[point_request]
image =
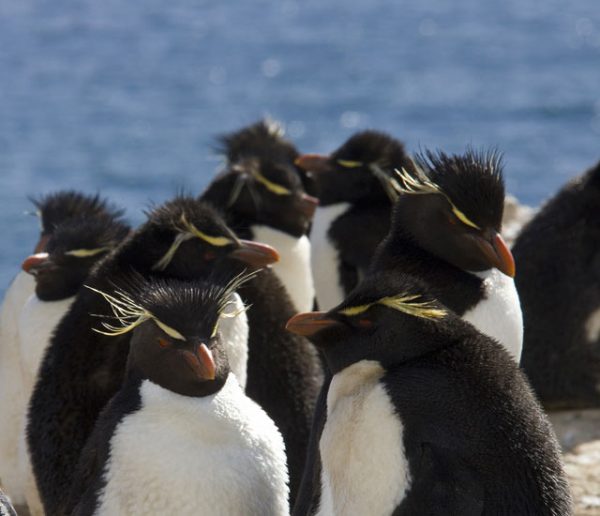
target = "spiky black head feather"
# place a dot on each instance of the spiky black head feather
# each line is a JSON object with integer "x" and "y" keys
{"x": 473, "y": 182}
{"x": 263, "y": 140}
{"x": 57, "y": 207}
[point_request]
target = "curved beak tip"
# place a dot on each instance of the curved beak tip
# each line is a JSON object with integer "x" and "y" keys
{"x": 256, "y": 254}
{"x": 33, "y": 262}
{"x": 506, "y": 261}
{"x": 308, "y": 323}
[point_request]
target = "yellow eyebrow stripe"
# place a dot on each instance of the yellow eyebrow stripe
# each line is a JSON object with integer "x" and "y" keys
{"x": 355, "y": 310}
{"x": 85, "y": 253}
{"x": 168, "y": 330}
{"x": 272, "y": 187}
{"x": 349, "y": 163}
{"x": 462, "y": 217}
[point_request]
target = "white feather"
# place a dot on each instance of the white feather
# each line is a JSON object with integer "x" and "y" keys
{"x": 293, "y": 269}
{"x": 364, "y": 466}
{"x": 218, "y": 455}
{"x": 499, "y": 313}
{"x": 12, "y": 399}
{"x": 592, "y": 326}
{"x": 324, "y": 257}
{"x": 234, "y": 333}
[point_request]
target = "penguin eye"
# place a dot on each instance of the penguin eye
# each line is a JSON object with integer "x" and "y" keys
{"x": 365, "y": 323}
{"x": 164, "y": 343}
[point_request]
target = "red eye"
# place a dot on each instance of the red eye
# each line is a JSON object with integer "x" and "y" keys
{"x": 365, "y": 323}
{"x": 209, "y": 255}
{"x": 452, "y": 220}
{"x": 164, "y": 343}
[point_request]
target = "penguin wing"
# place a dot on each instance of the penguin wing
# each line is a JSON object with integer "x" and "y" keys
{"x": 442, "y": 484}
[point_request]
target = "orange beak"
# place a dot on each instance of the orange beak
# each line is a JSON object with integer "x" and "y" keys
{"x": 313, "y": 163}
{"x": 309, "y": 323}
{"x": 498, "y": 254}
{"x": 32, "y": 263}
{"x": 201, "y": 362}
{"x": 256, "y": 254}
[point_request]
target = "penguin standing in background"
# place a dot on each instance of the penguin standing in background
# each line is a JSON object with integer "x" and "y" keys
{"x": 82, "y": 370}
{"x": 180, "y": 436}
{"x": 73, "y": 249}
{"x": 354, "y": 187}
{"x": 262, "y": 198}
{"x": 445, "y": 231}
{"x": 558, "y": 254}
{"x": 53, "y": 210}
{"x": 425, "y": 415}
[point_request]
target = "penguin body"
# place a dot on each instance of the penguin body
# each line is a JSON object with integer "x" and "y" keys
{"x": 228, "y": 457}
{"x": 262, "y": 197}
{"x": 355, "y": 202}
{"x": 6, "y": 508}
{"x": 15, "y": 385}
{"x": 456, "y": 428}
{"x": 82, "y": 370}
{"x": 177, "y": 439}
{"x": 558, "y": 256}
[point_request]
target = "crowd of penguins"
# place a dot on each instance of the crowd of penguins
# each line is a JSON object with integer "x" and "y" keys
{"x": 331, "y": 335}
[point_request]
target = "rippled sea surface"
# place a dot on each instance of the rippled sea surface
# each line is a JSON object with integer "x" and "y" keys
{"x": 126, "y": 97}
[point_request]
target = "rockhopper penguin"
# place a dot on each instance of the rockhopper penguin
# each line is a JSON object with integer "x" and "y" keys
{"x": 72, "y": 250}
{"x": 558, "y": 255}
{"x": 262, "y": 198}
{"x": 426, "y": 415}
{"x": 53, "y": 210}
{"x": 180, "y": 436}
{"x": 82, "y": 369}
{"x": 356, "y": 196}
{"x": 445, "y": 231}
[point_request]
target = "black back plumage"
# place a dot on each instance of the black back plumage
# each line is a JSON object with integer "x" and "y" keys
{"x": 476, "y": 440}
{"x": 82, "y": 369}
{"x": 558, "y": 256}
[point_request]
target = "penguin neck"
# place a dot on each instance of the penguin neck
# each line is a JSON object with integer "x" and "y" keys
{"x": 293, "y": 269}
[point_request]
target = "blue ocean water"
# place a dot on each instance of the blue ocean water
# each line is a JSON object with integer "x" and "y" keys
{"x": 126, "y": 97}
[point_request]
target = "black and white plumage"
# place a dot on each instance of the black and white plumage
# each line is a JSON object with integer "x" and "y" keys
{"x": 356, "y": 195}
{"x": 82, "y": 370}
{"x": 53, "y": 210}
{"x": 180, "y": 436}
{"x": 263, "y": 199}
{"x": 6, "y": 508}
{"x": 425, "y": 415}
{"x": 558, "y": 255}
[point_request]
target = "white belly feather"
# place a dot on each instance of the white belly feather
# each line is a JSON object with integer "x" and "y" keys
{"x": 218, "y": 455}
{"x": 364, "y": 466}
{"x": 294, "y": 268}
{"x": 324, "y": 257}
{"x": 234, "y": 332}
{"x": 499, "y": 314}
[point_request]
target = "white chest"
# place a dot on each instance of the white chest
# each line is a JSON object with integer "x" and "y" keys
{"x": 499, "y": 314}
{"x": 234, "y": 331}
{"x": 37, "y": 322}
{"x": 293, "y": 269}
{"x": 324, "y": 257}
{"x": 217, "y": 455}
{"x": 364, "y": 467}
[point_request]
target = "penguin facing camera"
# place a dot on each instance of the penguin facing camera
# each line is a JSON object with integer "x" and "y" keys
{"x": 424, "y": 414}
{"x": 206, "y": 447}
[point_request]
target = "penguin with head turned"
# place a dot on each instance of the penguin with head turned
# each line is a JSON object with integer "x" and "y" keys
{"x": 445, "y": 231}
{"x": 558, "y": 255}
{"x": 82, "y": 370}
{"x": 73, "y": 249}
{"x": 53, "y": 210}
{"x": 356, "y": 196}
{"x": 262, "y": 198}
{"x": 426, "y": 415}
{"x": 180, "y": 436}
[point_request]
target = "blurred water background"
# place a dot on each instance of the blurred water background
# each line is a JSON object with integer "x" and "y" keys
{"x": 126, "y": 97}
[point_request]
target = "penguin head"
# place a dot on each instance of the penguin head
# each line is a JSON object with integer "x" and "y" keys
{"x": 388, "y": 318}
{"x": 452, "y": 206}
{"x": 185, "y": 238}
{"x": 71, "y": 251}
{"x": 55, "y": 208}
{"x": 176, "y": 341}
{"x": 359, "y": 171}
{"x": 260, "y": 184}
